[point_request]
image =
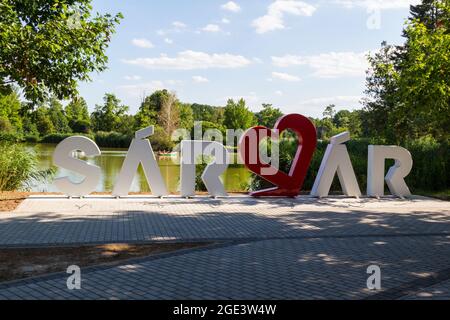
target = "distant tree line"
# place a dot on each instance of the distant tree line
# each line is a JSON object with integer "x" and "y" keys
{"x": 161, "y": 109}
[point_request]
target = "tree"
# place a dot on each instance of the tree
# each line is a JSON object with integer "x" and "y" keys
{"x": 169, "y": 116}
{"x": 203, "y": 112}
{"x": 10, "y": 112}
{"x": 77, "y": 114}
{"x": 150, "y": 109}
{"x": 108, "y": 117}
{"x": 238, "y": 116}
{"x": 329, "y": 112}
{"x": 408, "y": 87}
{"x": 429, "y": 13}
{"x": 186, "y": 116}
{"x": 268, "y": 116}
{"x": 47, "y": 46}
{"x": 44, "y": 124}
{"x": 57, "y": 116}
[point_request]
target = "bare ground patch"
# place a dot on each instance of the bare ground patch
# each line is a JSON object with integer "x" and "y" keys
{"x": 20, "y": 263}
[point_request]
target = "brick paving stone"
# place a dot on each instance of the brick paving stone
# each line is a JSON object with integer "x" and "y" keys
{"x": 43, "y": 221}
{"x": 327, "y": 268}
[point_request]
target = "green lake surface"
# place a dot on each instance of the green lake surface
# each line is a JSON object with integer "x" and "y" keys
{"x": 235, "y": 178}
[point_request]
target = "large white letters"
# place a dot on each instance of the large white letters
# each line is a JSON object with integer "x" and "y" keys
{"x": 396, "y": 174}
{"x": 190, "y": 151}
{"x": 63, "y": 157}
{"x": 140, "y": 152}
{"x": 336, "y": 159}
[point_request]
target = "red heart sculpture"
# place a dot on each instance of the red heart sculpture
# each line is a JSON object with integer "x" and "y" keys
{"x": 287, "y": 185}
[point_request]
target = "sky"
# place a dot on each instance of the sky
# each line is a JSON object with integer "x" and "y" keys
{"x": 299, "y": 56}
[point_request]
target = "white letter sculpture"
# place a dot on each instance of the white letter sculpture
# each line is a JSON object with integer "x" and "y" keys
{"x": 336, "y": 159}
{"x": 63, "y": 158}
{"x": 190, "y": 151}
{"x": 396, "y": 174}
{"x": 140, "y": 152}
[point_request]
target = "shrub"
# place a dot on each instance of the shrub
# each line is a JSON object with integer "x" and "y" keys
{"x": 19, "y": 168}
{"x": 112, "y": 140}
{"x": 59, "y": 137}
{"x": 10, "y": 137}
{"x": 161, "y": 141}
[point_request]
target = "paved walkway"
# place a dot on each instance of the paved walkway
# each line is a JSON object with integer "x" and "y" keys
{"x": 270, "y": 249}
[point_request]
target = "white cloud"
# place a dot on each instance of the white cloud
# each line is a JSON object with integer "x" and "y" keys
{"x": 132, "y": 78}
{"x": 225, "y": 21}
{"x": 285, "y": 77}
{"x": 142, "y": 43}
{"x": 190, "y": 60}
{"x": 211, "y": 28}
{"x": 274, "y": 19}
{"x": 328, "y": 65}
{"x": 339, "y": 101}
{"x": 231, "y": 6}
{"x": 138, "y": 90}
{"x": 179, "y": 25}
{"x": 200, "y": 79}
{"x": 279, "y": 93}
{"x": 377, "y": 4}
{"x": 168, "y": 41}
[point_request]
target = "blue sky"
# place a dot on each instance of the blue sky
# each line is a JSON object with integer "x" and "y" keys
{"x": 298, "y": 55}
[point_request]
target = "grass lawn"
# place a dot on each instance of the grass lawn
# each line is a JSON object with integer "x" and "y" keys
{"x": 19, "y": 263}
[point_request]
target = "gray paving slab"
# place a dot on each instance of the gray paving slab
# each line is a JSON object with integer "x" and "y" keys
{"x": 274, "y": 248}
{"x": 269, "y": 269}
{"x": 46, "y": 221}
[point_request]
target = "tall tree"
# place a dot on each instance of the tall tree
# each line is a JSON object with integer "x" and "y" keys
{"x": 408, "y": 86}
{"x": 77, "y": 114}
{"x": 268, "y": 116}
{"x": 47, "y": 46}
{"x": 169, "y": 115}
{"x": 10, "y": 112}
{"x": 150, "y": 109}
{"x": 57, "y": 116}
{"x": 238, "y": 116}
{"x": 186, "y": 116}
{"x": 107, "y": 117}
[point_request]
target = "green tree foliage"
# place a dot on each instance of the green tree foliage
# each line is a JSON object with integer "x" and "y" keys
{"x": 108, "y": 117}
{"x": 47, "y": 46}
{"x": 77, "y": 114}
{"x": 150, "y": 109}
{"x": 238, "y": 116}
{"x": 408, "y": 87}
{"x": 10, "y": 120}
{"x": 203, "y": 112}
{"x": 57, "y": 116}
{"x": 186, "y": 116}
{"x": 268, "y": 116}
{"x": 44, "y": 124}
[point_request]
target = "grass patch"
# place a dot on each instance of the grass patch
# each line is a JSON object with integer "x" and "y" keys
{"x": 18, "y": 263}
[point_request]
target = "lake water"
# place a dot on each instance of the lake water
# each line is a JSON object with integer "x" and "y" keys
{"x": 110, "y": 162}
